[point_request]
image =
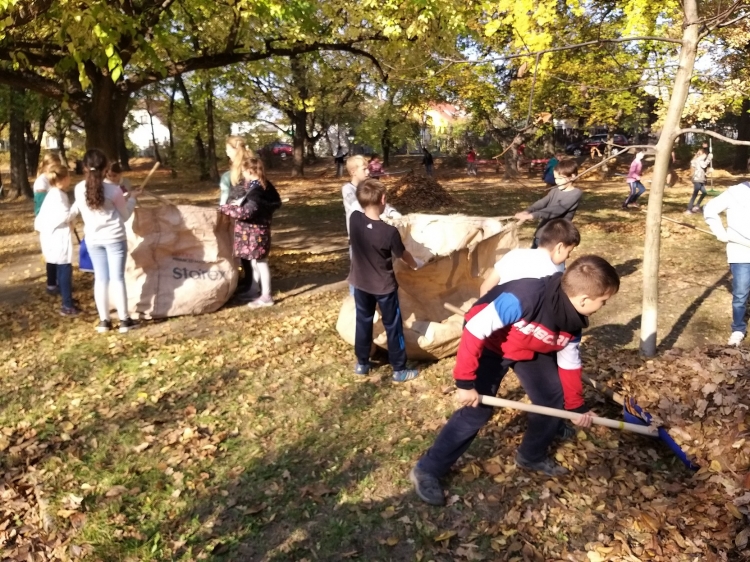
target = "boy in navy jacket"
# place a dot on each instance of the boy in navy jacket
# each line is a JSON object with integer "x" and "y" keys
{"x": 533, "y": 326}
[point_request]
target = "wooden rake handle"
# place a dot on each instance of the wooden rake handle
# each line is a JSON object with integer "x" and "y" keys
{"x": 564, "y": 414}
{"x": 149, "y": 193}
{"x": 604, "y": 389}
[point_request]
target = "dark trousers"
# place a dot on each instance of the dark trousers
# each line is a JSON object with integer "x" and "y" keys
{"x": 698, "y": 187}
{"x": 541, "y": 382}
{"x": 391, "y": 313}
{"x": 246, "y": 282}
{"x": 64, "y": 275}
{"x": 636, "y": 190}
{"x": 51, "y": 275}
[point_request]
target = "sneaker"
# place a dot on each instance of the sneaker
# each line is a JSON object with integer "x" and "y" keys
{"x": 104, "y": 326}
{"x": 53, "y": 290}
{"x": 405, "y": 375}
{"x": 688, "y": 212}
{"x": 696, "y": 209}
{"x": 72, "y": 311}
{"x": 547, "y": 466}
{"x": 261, "y": 302}
{"x": 736, "y": 339}
{"x": 427, "y": 487}
{"x": 249, "y": 294}
{"x": 127, "y": 325}
{"x": 566, "y": 432}
{"x": 634, "y": 206}
{"x": 362, "y": 369}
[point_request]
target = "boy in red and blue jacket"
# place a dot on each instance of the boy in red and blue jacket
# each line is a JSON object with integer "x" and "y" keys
{"x": 533, "y": 326}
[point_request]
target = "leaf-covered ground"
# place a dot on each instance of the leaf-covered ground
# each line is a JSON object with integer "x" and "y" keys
{"x": 243, "y": 435}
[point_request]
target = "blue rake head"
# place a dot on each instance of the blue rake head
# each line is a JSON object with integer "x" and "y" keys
{"x": 633, "y": 413}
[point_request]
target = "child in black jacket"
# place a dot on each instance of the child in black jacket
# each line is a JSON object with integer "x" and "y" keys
{"x": 252, "y": 212}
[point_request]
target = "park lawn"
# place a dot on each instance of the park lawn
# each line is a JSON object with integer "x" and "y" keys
{"x": 243, "y": 435}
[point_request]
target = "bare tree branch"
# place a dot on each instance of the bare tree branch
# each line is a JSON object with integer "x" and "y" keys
{"x": 729, "y": 140}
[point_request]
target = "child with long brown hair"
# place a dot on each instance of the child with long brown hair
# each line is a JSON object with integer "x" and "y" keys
{"x": 252, "y": 231}
{"x": 53, "y": 224}
{"x": 237, "y": 150}
{"x": 41, "y": 188}
{"x": 104, "y": 209}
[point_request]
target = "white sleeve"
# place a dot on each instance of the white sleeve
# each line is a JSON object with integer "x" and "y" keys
{"x": 711, "y": 213}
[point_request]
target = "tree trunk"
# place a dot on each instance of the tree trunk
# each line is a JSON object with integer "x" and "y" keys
{"x": 213, "y": 168}
{"x": 122, "y": 148}
{"x": 60, "y": 133}
{"x": 200, "y": 149}
{"x": 19, "y": 176}
{"x": 34, "y": 139}
{"x": 743, "y": 133}
{"x": 680, "y": 90}
{"x": 310, "y": 145}
{"x": 386, "y": 143}
{"x": 157, "y": 155}
{"x": 299, "y": 137}
{"x": 511, "y": 159}
{"x": 104, "y": 116}
{"x": 170, "y": 127}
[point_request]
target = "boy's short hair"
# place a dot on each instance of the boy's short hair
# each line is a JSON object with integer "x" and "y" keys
{"x": 353, "y": 161}
{"x": 567, "y": 167}
{"x": 370, "y": 193}
{"x": 559, "y": 231}
{"x": 591, "y": 276}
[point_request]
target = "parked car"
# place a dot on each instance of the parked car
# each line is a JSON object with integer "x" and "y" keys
{"x": 280, "y": 149}
{"x": 598, "y": 141}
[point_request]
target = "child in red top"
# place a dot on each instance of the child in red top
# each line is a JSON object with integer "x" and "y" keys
{"x": 471, "y": 162}
{"x": 534, "y": 327}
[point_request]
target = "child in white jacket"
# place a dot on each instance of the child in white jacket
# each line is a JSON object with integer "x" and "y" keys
{"x": 736, "y": 202}
{"x": 53, "y": 224}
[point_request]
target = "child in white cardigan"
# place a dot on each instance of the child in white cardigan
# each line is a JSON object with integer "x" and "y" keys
{"x": 53, "y": 224}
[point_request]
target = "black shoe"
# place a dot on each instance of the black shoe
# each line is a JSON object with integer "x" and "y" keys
{"x": 70, "y": 312}
{"x": 547, "y": 466}
{"x": 566, "y": 432}
{"x": 54, "y": 290}
{"x": 427, "y": 487}
{"x": 127, "y": 325}
{"x": 104, "y": 326}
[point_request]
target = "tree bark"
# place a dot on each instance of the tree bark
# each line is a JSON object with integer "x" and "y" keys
{"x": 213, "y": 168}
{"x": 122, "y": 147}
{"x": 511, "y": 158}
{"x": 19, "y": 176}
{"x": 157, "y": 155}
{"x": 200, "y": 149}
{"x": 34, "y": 139}
{"x": 60, "y": 134}
{"x": 170, "y": 127}
{"x": 299, "y": 138}
{"x": 743, "y": 133}
{"x": 651, "y": 250}
{"x": 104, "y": 116}
{"x": 386, "y": 142}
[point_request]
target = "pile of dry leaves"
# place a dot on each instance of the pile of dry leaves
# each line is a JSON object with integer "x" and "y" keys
{"x": 414, "y": 193}
{"x": 702, "y": 396}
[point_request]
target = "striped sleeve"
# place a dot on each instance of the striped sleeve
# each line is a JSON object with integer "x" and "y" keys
{"x": 569, "y": 369}
{"x": 502, "y": 312}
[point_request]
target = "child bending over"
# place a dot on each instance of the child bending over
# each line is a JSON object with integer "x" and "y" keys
{"x": 534, "y": 327}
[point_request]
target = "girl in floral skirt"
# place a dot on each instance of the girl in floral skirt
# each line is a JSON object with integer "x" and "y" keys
{"x": 252, "y": 210}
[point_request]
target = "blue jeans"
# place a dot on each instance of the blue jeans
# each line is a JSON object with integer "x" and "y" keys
{"x": 740, "y": 292}
{"x": 541, "y": 381}
{"x": 64, "y": 273}
{"x": 698, "y": 187}
{"x": 391, "y": 316}
{"x": 636, "y": 190}
{"x": 109, "y": 268}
